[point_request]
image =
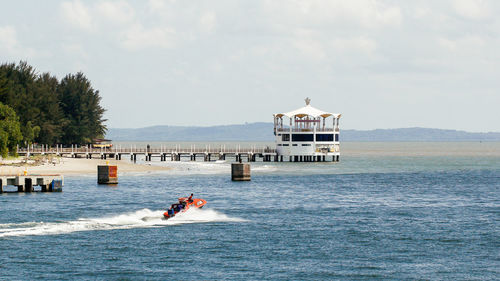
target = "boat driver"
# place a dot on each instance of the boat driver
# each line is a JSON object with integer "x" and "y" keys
{"x": 190, "y": 199}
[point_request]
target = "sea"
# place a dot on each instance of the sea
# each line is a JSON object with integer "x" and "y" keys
{"x": 386, "y": 211}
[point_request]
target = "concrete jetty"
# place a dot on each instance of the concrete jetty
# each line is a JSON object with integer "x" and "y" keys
{"x": 26, "y": 183}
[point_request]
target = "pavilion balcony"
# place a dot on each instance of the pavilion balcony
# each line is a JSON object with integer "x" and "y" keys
{"x": 307, "y": 130}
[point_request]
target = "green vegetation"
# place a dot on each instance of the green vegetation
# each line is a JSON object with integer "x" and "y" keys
{"x": 38, "y": 108}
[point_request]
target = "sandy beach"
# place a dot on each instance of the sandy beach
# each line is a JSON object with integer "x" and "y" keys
{"x": 74, "y": 166}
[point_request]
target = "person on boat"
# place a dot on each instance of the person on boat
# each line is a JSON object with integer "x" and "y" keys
{"x": 190, "y": 199}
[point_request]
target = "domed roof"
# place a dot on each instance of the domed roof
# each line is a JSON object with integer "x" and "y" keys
{"x": 308, "y": 110}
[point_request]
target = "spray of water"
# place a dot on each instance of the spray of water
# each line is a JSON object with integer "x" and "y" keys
{"x": 140, "y": 219}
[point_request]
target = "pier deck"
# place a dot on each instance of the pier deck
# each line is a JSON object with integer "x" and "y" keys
{"x": 193, "y": 153}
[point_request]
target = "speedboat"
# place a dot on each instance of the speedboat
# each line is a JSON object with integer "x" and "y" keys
{"x": 183, "y": 205}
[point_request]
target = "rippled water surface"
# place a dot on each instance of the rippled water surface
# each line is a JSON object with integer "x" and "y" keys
{"x": 372, "y": 216}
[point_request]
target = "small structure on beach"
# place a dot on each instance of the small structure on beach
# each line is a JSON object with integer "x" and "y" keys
{"x": 309, "y": 135}
{"x": 102, "y": 143}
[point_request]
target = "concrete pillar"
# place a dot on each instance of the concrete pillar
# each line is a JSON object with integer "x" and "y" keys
{"x": 240, "y": 172}
{"x": 1, "y": 186}
{"x": 28, "y": 185}
{"x": 107, "y": 174}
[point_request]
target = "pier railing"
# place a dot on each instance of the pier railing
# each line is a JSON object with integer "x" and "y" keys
{"x": 208, "y": 149}
{"x": 308, "y": 130}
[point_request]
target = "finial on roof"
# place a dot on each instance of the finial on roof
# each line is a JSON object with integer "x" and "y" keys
{"x": 308, "y": 100}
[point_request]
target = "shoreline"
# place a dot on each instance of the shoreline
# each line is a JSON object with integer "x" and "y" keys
{"x": 73, "y": 166}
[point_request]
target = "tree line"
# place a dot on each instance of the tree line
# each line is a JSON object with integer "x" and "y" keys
{"x": 39, "y": 108}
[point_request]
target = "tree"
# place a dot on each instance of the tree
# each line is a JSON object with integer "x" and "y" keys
{"x": 84, "y": 114}
{"x": 10, "y": 130}
{"x": 30, "y": 132}
{"x": 51, "y": 119}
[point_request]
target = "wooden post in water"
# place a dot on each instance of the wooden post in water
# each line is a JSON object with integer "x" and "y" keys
{"x": 240, "y": 172}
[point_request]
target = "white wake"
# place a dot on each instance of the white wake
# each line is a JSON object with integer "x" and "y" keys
{"x": 140, "y": 219}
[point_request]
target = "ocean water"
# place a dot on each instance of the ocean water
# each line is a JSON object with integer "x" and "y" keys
{"x": 397, "y": 211}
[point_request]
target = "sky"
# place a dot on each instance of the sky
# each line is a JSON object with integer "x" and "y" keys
{"x": 381, "y": 64}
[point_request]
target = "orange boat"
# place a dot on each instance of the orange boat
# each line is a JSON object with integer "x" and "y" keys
{"x": 184, "y": 205}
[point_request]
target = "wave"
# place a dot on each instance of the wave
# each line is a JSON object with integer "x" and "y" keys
{"x": 139, "y": 219}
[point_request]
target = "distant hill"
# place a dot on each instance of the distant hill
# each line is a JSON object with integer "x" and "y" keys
{"x": 264, "y": 132}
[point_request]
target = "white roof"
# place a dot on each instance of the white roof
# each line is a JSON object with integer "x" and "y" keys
{"x": 308, "y": 110}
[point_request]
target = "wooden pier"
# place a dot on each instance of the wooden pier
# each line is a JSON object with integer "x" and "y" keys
{"x": 26, "y": 183}
{"x": 177, "y": 153}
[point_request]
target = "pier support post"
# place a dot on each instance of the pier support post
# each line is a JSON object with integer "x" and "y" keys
{"x": 107, "y": 174}
{"x": 1, "y": 186}
{"x": 28, "y": 185}
{"x": 240, "y": 172}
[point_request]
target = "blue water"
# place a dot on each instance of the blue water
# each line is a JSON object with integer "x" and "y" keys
{"x": 365, "y": 218}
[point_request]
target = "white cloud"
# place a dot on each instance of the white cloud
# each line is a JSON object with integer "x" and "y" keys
{"x": 306, "y": 42}
{"x": 8, "y": 38}
{"x": 472, "y": 9}
{"x": 77, "y": 14}
{"x": 75, "y": 50}
{"x": 208, "y": 21}
{"x": 310, "y": 48}
{"x": 138, "y": 37}
{"x": 354, "y": 44}
{"x": 10, "y": 44}
{"x": 155, "y": 5}
{"x": 119, "y": 12}
{"x": 466, "y": 44}
{"x": 370, "y": 14}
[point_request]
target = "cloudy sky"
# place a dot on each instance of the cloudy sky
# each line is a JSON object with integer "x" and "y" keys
{"x": 382, "y": 64}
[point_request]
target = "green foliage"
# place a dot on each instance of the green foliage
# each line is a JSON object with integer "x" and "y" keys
{"x": 80, "y": 103}
{"x": 10, "y": 130}
{"x": 30, "y": 132}
{"x": 50, "y": 111}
